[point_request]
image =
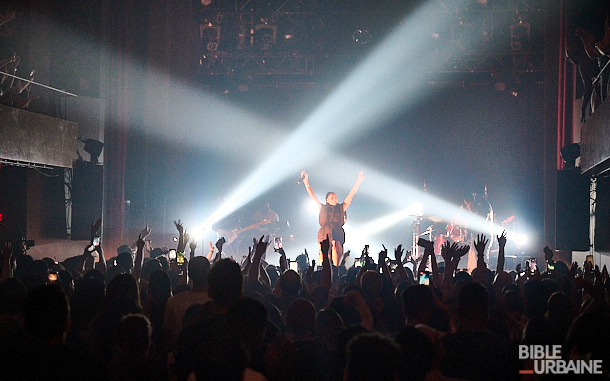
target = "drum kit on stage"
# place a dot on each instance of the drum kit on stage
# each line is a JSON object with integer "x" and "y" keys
{"x": 439, "y": 231}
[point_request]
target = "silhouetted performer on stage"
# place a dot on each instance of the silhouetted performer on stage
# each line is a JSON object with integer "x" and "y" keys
{"x": 333, "y": 215}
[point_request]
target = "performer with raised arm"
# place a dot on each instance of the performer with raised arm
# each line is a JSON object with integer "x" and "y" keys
{"x": 333, "y": 215}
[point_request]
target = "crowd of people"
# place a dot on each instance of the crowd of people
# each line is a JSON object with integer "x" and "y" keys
{"x": 142, "y": 315}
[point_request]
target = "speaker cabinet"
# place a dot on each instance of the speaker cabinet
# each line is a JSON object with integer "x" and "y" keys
{"x": 13, "y": 202}
{"x": 87, "y": 196}
{"x": 572, "y": 211}
{"x": 602, "y": 215}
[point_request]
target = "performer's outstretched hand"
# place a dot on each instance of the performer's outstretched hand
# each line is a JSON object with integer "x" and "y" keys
{"x": 361, "y": 176}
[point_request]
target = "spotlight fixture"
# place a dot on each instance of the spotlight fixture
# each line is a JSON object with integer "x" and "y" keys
{"x": 93, "y": 148}
{"x": 519, "y": 35}
{"x": 265, "y": 36}
{"x": 209, "y": 36}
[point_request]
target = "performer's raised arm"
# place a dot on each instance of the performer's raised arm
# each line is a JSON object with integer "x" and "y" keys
{"x": 352, "y": 192}
{"x": 305, "y": 177}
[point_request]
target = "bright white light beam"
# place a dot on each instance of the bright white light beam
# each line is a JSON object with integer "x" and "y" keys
{"x": 388, "y": 80}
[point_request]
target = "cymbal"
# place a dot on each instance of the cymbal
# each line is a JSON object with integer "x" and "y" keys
{"x": 433, "y": 219}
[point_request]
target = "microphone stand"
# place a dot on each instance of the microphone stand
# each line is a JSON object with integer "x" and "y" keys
{"x": 490, "y": 218}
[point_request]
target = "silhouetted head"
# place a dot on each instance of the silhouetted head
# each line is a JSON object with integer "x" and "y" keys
{"x": 300, "y": 317}
{"x": 371, "y": 284}
{"x": 225, "y": 282}
{"x": 473, "y": 308}
{"x": 198, "y": 269}
{"x": 372, "y": 356}
{"x": 417, "y": 301}
{"x": 159, "y": 286}
{"x": 133, "y": 335}
{"x": 47, "y": 313}
{"x": 290, "y": 283}
{"x": 12, "y": 296}
{"x": 123, "y": 285}
{"x": 150, "y": 267}
{"x": 125, "y": 260}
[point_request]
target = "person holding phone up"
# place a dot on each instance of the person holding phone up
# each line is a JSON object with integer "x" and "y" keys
{"x": 333, "y": 215}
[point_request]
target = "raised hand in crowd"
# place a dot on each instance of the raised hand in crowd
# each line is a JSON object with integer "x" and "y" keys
{"x": 283, "y": 260}
{"x": 400, "y": 268}
{"x": 365, "y": 262}
{"x": 220, "y": 244}
{"x": 383, "y": 264}
{"x": 309, "y": 281}
{"x": 145, "y": 232}
{"x": 255, "y": 273}
{"x": 94, "y": 230}
{"x": 451, "y": 252}
{"x": 448, "y": 252}
{"x": 501, "y": 253}
{"x": 428, "y": 251}
{"x": 344, "y": 258}
{"x": 409, "y": 258}
{"x": 181, "y": 241}
{"x": 101, "y": 259}
{"x": 94, "y": 249}
{"x": 479, "y": 245}
{"x": 210, "y": 251}
{"x": 246, "y": 263}
{"x": 598, "y": 283}
{"x": 137, "y": 268}
{"x": 574, "y": 270}
{"x": 88, "y": 258}
{"x": 594, "y": 289}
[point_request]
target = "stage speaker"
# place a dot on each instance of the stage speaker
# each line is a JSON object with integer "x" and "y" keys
{"x": 572, "y": 211}
{"x": 602, "y": 215}
{"x": 87, "y": 196}
{"x": 13, "y": 202}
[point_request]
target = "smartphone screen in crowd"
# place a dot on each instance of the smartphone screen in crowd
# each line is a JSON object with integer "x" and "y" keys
{"x": 424, "y": 278}
{"x": 294, "y": 266}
